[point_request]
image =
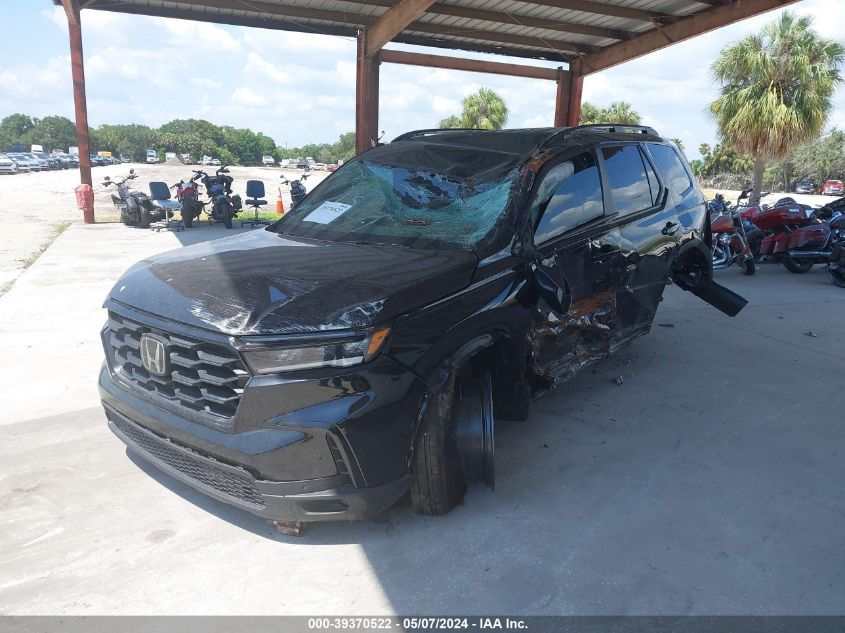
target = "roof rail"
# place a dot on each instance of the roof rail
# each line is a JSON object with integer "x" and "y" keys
{"x": 615, "y": 128}
{"x": 433, "y": 132}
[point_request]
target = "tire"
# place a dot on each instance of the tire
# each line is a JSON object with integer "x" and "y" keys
{"x": 749, "y": 267}
{"x": 226, "y": 212}
{"x": 187, "y": 215}
{"x": 440, "y": 474}
{"x": 144, "y": 217}
{"x": 798, "y": 266}
{"x": 837, "y": 276}
{"x": 438, "y": 483}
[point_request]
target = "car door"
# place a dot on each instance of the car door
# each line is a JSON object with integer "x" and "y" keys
{"x": 647, "y": 230}
{"x": 571, "y": 233}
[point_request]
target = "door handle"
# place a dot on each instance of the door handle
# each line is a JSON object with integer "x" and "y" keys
{"x": 671, "y": 228}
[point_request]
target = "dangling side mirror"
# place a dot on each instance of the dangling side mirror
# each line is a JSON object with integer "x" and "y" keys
{"x": 132, "y": 171}
{"x": 552, "y": 287}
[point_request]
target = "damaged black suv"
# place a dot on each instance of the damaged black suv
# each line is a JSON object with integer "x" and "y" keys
{"x": 360, "y": 347}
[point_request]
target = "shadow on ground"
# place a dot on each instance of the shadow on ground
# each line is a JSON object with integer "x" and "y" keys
{"x": 709, "y": 481}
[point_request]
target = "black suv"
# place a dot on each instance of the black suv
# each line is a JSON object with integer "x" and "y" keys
{"x": 361, "y": 346}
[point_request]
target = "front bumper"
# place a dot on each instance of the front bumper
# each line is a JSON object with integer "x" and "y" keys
{"x": 306, "y": 501}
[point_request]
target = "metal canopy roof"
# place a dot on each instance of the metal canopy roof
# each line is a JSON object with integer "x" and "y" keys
{"x": 589, "y": 34}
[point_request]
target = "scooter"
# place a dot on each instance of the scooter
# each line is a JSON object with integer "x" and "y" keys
{"x": 134, "y": 207}
{"x": 224, "y": 205}
{"x": 297, "y": 189}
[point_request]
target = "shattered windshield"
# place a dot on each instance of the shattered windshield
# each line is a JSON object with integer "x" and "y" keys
{"x": 379, "y": 202}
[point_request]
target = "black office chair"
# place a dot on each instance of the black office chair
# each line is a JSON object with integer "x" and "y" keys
{"x": 161, "y": 200}
{"x": 255, "y": 199}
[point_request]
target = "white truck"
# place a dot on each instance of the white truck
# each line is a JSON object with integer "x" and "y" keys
{"x": 152, "y": 156}
{"x": 268, "y": 161}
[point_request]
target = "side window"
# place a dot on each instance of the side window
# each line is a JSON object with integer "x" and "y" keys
{"x": 670, "y": 165}
{"x": 571, "y": 195}
{"x": 653, "y": 183}
{"x": 629, "y": 188}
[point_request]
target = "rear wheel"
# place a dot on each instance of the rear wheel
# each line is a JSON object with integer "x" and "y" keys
{"x": 454, "y": 445}
{"x": 797, "y": 265}
{"x": 226, "y": 212}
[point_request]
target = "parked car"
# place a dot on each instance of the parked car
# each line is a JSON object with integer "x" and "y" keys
{"x": 7, "y": 165}
{"x": 331, "y": 168}
{"x": 303, "y": 164}
{"x": 52, "y": 161}
{"x": 215, "y": 162}
{"x": 805, "y": 186}
{"x": 424, "y": 288}
{"x": 42, "y": 163}
{"x": 25, "y": 162}
{"x": 832, "y": 188}
{"x": 268, "y": 161}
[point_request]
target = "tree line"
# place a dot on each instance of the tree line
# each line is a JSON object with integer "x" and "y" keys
{"x": 197, "y": 137}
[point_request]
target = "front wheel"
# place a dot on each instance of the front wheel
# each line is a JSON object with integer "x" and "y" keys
{"x": 454, "y": 445}
{"x": 187, "y": 215}
{"x": 750, "y": 267}
{"x": 797, "y": 265}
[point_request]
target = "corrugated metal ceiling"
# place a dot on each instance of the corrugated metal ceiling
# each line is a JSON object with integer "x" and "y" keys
{"x": 558, "y": 30}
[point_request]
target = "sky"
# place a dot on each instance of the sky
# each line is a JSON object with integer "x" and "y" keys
{"x": 300, "y": 88}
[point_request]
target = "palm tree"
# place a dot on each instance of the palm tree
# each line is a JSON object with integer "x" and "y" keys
{"x": 590, "y": 114}
{"x": 776, "y": 90}
{"x": 451, "y": 121}
{"x": 622, "y": 112}
{"x": 484, "y": 110}
{"x": 617, "y": 112}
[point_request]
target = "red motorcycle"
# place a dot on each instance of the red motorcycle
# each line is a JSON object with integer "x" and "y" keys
{"x": 188, "y": 194}
{"x": 797, "y": 241}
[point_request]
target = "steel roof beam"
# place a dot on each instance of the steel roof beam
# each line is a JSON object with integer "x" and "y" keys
{"x": 680, "y": 30}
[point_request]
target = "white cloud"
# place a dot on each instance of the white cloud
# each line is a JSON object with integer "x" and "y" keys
{"x": 191, "y": 34}
{"x": 249, "y": 97}
{"x": 257, "y": 66}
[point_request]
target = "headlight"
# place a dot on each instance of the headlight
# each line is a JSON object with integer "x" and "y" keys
{"x": 350, "y": 350}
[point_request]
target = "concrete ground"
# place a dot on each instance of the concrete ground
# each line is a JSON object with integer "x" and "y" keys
{"x": 36, "y": 205}
{"x": 709, "y": 482}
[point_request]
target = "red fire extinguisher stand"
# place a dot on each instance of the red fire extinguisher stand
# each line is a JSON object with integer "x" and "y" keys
{"x": 85, "y": 201}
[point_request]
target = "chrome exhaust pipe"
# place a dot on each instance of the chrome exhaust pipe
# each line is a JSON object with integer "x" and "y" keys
{"x": 809, "y": 254}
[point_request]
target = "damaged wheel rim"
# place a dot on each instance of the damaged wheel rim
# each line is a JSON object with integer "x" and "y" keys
{"x": 474, "y": 429}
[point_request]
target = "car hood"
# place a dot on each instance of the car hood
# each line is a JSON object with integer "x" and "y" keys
{"x": 264, "y": 283}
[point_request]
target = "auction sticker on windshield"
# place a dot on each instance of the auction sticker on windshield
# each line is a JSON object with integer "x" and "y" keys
{"x": 327, "y": 212}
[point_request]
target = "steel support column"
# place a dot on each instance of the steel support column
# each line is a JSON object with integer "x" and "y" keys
{"x": 74, "y": 27}
{"x": 576, "y": 87}
{"x": 568, "y": 98}
{"x": 366, "y": 96}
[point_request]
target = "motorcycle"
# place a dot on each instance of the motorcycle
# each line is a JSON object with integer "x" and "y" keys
{"x": 799, "y": 241}
{"x": 134, "y": 207}
{"x": 224, "y": 205}
{"x": 297, "y": 189}
{"x": 187, "y": 194}
{"x": 730, "y": 241}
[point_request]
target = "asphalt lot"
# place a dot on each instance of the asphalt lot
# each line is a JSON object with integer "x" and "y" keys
{"x": 710, "y": 482}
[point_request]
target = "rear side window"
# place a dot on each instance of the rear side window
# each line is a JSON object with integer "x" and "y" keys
{"x": 571, "y": 194}
{"x": 670, "y": 165}
{"x": 629, "y": 187}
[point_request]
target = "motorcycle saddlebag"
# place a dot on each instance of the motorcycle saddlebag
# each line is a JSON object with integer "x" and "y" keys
{"x": 767, "y": 245}
{"x": 813, "y": 236}
{"x": 780, "y": 243}
{"x": 237, "y": 205}
{"x": 780, "y": 216}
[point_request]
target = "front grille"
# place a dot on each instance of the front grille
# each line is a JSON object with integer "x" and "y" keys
{"x": 238, "y": 485}
{"x": 204, "y": 378}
